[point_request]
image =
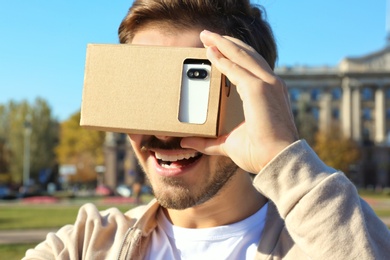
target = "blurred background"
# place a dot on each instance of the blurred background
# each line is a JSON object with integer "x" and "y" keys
{"x": 333, "y": 55}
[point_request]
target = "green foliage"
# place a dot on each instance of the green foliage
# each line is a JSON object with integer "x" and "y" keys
{"x": 43, "y": 138}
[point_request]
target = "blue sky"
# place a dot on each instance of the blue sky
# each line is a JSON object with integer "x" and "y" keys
{"x": 43, "y": 42}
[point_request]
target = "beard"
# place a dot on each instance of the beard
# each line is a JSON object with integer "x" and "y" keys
{"x": 175, "y": 193}
{"x": 179, "y": 195}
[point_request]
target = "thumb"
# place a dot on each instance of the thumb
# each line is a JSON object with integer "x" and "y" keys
{"x": 205, "y": 145}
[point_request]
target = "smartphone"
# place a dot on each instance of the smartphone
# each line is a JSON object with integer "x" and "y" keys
{"x": 195, "y": 89}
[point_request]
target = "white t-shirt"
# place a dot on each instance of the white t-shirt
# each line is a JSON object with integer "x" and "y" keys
{"x": 235, "y": 241}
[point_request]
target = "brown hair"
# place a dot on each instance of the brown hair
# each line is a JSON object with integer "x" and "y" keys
{"x": 236, "y": 18}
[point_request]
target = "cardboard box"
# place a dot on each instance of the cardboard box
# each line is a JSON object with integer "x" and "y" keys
{"x": 137, "y": 89}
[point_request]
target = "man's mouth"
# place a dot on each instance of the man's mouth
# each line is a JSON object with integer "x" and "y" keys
{"x": 177, "y": 160}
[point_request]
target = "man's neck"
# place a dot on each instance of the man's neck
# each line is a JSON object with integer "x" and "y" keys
{"x": 236, "y": 201}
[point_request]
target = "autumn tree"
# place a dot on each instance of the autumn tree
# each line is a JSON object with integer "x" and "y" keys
{"x": 80, "y": 147}
{"x": 336, "y": 150}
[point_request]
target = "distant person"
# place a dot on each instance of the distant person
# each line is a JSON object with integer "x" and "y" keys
{"x": 207, "y": 206}
{"x": 138, "y": 183}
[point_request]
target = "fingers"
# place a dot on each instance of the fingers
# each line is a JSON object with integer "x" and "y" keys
{"x": 236, "y": 73}
{"x": 239, "y": 53}
{"x": 205, "y": 145}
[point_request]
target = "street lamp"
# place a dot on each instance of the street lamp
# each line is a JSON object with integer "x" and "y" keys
{"x": 26, "y": 155}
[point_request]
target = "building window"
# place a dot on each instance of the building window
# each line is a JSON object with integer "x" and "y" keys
{"x": 367, "y": 94}
{"x": 388, "y": 138}
{"x": 316, "y": 113}
{"x": 336, "y": 113}
{"x": 336, "y": 93}
{"x": 367, "y": 114}
{"x": 387, "y": 91}
{"x": 294, "y": 94}
{"x": 295, "y": 112}
{"x": 388, "y": 114}
{"x": 366, "y": 134}
{"x": 315, "y": 94}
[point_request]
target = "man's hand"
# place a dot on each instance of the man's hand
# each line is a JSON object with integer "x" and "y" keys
{"x": 269, "y": 125}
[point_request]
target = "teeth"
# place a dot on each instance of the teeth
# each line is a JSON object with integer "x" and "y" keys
{"x": 176, "y": 157}
{"x": 168, "y": 166}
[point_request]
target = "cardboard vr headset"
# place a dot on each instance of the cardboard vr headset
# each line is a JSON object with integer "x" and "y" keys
{"x": 156, "y": 90}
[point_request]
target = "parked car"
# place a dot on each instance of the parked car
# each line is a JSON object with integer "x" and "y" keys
{"x": 6, "y": 193}
{"x": 29, "y": 191}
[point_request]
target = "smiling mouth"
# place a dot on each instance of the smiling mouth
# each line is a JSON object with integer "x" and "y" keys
{"x": 177, "y": 160}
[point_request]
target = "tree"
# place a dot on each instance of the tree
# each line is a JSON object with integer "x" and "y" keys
{"x": 43, "y": 138}
{"x": 336, "y": 150}
{"x": 80, "y": 147}
{"x": 4, "y": 152}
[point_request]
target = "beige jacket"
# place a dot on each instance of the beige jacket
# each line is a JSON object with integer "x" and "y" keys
{"x": 314, "y": 213}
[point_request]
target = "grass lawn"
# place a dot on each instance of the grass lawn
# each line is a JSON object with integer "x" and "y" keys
{"x": 379, "y": 201}
{"x": 54, "y": 215}
{"x": 21, "y": 216}
{"x": 382, "y": 212}
{"x": 384, "y": 195}
{"x": 11, "y": 252}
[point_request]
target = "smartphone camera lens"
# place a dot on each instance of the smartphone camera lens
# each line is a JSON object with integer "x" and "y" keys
{"x": 197, "y": 73}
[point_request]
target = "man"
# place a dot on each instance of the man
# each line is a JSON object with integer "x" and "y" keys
{"x": 207, "y": 204}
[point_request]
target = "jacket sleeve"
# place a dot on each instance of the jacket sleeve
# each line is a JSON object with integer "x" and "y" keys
{"x": 322, "y": 210}
{"x": 95, "y": 235}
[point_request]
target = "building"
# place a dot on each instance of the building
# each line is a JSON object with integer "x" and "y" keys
{"x": 120, "y": 161}
{"x": 355, "y": 95}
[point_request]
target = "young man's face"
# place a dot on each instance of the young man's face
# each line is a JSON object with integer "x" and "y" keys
{"x": 181, "y": 178}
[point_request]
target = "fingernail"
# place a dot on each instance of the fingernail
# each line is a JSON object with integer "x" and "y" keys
{"x": 206, "y": 32}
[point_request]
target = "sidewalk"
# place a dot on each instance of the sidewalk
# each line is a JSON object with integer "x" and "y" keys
{"x": 23, "y": 236}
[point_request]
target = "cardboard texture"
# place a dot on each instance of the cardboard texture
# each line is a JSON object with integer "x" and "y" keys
{"x": 136, "y": 89}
